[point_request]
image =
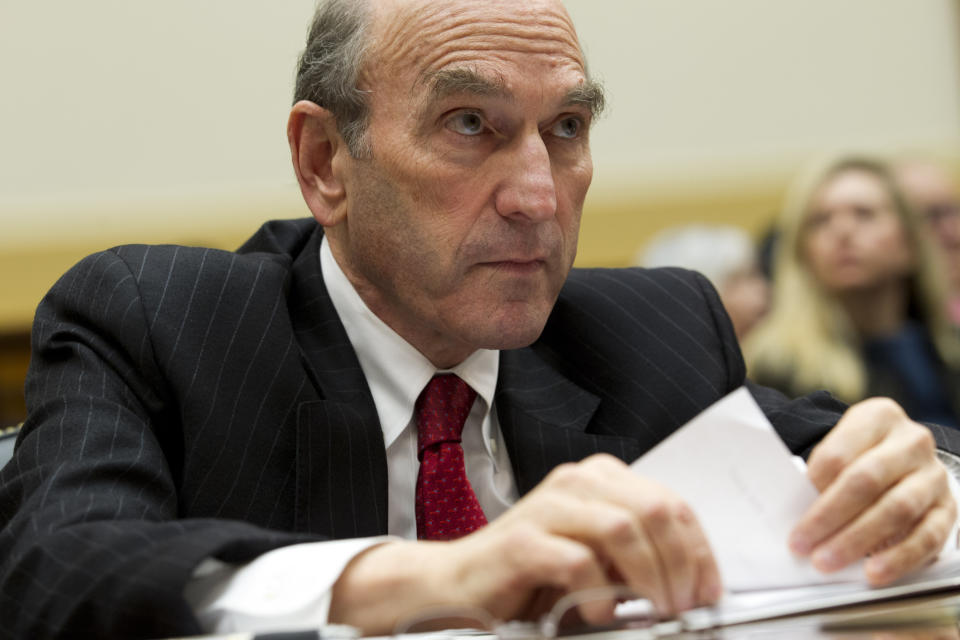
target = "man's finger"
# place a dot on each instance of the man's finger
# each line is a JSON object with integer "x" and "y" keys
{"x": 920, "y": 547}
{"x": 612, "y": 532}
{"x": 892, "y": 517}
{"x": 623, "y": 539}
{"x": 711, "y": 585}
{"x": 672, "y": 532}
{"x": 676, "y": 535}
{"x": 861, "y": 427}
{"x": 530, "y": 562}
{"x": 860, "y": 485}
{"x": 649, "y": 535}
{"x": 571, "y": 566}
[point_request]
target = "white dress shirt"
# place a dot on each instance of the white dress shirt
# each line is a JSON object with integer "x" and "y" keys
{"x": 289, "y": 588}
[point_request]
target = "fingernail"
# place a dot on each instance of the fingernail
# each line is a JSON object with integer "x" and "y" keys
{"x": 712, "y": 592}
{"x": 875, "y": 568}
{"x": 663, "y": 608}
{"x": 825, "y": 560}
{"x": 800, "y": 544}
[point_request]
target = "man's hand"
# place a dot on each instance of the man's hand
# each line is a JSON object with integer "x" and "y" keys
{"x": 883, "y": 494}
{"x": 590, "y": 524}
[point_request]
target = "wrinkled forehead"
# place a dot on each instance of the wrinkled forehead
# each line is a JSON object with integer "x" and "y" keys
{"x": 421, "y": 37}
{"x": 926, "y": 179}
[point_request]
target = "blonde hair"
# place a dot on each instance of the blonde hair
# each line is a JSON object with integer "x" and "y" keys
{"x": 807, "y": 341}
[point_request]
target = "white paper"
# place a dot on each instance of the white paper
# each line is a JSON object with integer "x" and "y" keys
{"x": 741, "y": 481}
{"x": 736, "y": 608}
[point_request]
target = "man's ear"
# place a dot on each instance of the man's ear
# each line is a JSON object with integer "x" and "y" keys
{"x": 314, "y": 145}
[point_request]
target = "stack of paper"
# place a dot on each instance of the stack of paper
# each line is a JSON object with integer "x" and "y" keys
{"x": 748, "y": 492}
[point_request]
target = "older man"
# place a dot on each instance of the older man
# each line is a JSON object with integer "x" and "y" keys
{"x": 221, "y": 440}
{"x": 936, "y": 196}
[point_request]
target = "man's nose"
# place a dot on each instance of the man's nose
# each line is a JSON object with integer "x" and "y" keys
{"x": 527, "y": 190}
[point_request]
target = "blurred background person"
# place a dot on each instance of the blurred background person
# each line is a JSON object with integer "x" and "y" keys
{"x": 858, "y": 297}
{"x": 935, "y": 195}
{"x": 726, "y": 255}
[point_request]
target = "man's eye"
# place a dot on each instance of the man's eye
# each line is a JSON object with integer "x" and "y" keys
{"x": 567, "y": 127}
{"x": 466, "y": 123}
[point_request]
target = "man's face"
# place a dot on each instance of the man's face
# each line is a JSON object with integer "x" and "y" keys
{"x": 462, "y": 225}
{"x": 936, "y": 198}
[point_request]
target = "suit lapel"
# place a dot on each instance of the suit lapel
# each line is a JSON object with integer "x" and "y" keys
{"x": 341, "y": 466}
{"x": 544, "y": 418}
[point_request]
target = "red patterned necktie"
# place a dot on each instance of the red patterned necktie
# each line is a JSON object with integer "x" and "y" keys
{"x": 446, "y": 506}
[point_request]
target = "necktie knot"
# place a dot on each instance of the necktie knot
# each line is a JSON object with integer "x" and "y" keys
{"x": 442, "y": 409}
{"x": 446, "y": 506}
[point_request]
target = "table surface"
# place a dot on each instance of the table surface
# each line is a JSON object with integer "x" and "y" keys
{"x": 933, "y": 617}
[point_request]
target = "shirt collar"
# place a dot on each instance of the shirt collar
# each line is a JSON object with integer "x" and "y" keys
{"x": 395, "y": 371}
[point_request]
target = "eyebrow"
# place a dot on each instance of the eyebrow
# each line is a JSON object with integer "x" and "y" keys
{"x": 449, "y": 82}
{"x": 589, "y": 94}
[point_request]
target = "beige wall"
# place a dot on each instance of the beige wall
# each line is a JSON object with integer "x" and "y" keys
{"x": 723, "y": 87}
{"x": 127, "y": 120}
{"x": 120, "y": 104}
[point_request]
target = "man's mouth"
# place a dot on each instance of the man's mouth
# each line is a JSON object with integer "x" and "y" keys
{"x": 514, "y": 265}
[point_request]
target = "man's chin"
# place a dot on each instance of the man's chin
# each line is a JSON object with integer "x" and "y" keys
{"x": 517, "y": 342}
{"x": 513, "y": 333}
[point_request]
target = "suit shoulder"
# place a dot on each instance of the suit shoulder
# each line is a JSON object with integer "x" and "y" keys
{"x": 652, "y": 286}
{"x": 664, "y": 301}
{"x": 146, "y": 259}
{"x": 643, "y": 337}
{"x": 635, "y": 276}
{"x": 273, "y": 248}
{"x": 163, "y": 273}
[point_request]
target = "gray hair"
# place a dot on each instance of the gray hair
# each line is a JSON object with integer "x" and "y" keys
{"x": 716, "y": 251}
{"x": 330, "y": 67}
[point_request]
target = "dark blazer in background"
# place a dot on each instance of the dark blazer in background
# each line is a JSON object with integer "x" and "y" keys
{"x": 885, "y": 381}
{"x": 187, "y": 403}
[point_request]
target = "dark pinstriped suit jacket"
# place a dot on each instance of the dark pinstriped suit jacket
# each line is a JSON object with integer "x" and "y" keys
{"x": 187, "y": 403}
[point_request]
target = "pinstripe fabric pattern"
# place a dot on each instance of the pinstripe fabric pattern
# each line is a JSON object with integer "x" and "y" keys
{"x": 186, "y": 403}
{"x": 147, "y": 364}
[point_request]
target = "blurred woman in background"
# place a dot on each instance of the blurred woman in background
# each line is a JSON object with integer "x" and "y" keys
{"x": 858, "y": 298}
